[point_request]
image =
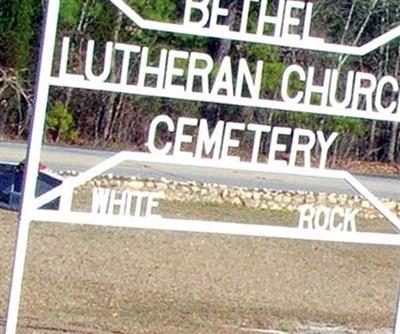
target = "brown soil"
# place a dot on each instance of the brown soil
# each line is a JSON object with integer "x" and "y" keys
{"x": 109, "y": 280}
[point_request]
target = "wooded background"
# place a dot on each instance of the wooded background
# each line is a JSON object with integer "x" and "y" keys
{"x": 120, "y": 120}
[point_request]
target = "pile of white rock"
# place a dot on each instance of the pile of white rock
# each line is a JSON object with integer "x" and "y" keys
{"x": 257, "y": 198}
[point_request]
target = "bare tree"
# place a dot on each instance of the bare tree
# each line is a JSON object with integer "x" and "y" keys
{"x": 395, "y": 135}
{"x": 10, "y": 80}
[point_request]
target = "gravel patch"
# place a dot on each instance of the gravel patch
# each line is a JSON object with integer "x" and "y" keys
{"x": 107, "y": 280}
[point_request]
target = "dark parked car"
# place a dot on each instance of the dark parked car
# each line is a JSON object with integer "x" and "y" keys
{"x": 11, "y": 178}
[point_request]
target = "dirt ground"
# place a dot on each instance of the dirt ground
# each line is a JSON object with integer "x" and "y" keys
{"x": 109, "y": 280}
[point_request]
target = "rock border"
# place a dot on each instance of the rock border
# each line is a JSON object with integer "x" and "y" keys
{"x": 256, "y": 198}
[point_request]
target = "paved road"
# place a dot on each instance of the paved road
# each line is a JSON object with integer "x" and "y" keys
{"x": 68, "y": 158}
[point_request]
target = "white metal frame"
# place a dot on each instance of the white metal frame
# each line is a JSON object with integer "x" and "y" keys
{"x": 240, "y": 101}
{"x": 65, "y": 192}
{"x": 30, "y": 204}
{"x": 248, "y": 37}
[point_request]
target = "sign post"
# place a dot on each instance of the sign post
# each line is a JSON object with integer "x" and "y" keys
{"x": 32, "y": 163}
{"x": 220, "y": 141}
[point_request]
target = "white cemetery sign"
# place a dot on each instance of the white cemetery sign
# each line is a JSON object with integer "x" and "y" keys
{"x": 338, "y": 224}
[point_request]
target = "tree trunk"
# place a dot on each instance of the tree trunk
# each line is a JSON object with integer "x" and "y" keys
{"x": 394, "y": 141}
{"x": 343, "y": 59}
{"x": 213, "y": 111}
{"x": 382, "y": 71}
{"x": 81, "y": 27}
{"x": 111, "y": 101}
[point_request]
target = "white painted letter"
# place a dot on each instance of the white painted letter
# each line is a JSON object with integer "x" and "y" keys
{"x": 307, "y": 213}
{"x": 306, "y": 148}
{"x": 334, "y": 88}
{"x": 276, "y": 147}
{"x": 325, "y": 146}
{"x": 100, "y": 198}
{"x": 127, "y": 49}
{"x": 117, "y": 202}
{"x": 145, "y": 70}
{"x": 349, "y": 222}
{"x": 289, "y": 20}
{"x": 386, "y": 80}
{"x": 244, "y": 74}
{"x": 107, "y": 62}
{"x": 64, "y": 63}
{"x": 224, "y": 79}
{"x": 173, "y": 71}
{"x": 315, "y": 89}
{"x": 229, "y": 142}
{"x": 152, "y": 203}
{"x": 258, "y": 131}
{"x": 180, "y": 137}
{"x": 263, "y": 18}
{"x": 202, "y": 6}
{"x": 216, "y": 12}
{"x": 360, "y": 88}
{"x": 285, "y": 84}
{"x": 209, "y": 142}
{"x": 152, "y": 134}
{"x": 337, "y": 211}
{"x": 202, "y": 73}
{"x": 322, "y": 210}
